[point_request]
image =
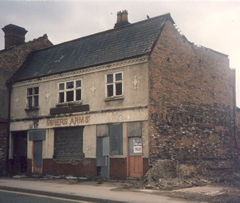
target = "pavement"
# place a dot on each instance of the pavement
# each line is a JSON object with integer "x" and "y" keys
{"x": 87, "y": 191}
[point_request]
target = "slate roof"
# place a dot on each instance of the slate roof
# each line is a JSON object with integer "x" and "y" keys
{"x": 130, "y": 41}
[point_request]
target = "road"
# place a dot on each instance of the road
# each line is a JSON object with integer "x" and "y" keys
{"x": 22, "y": 197}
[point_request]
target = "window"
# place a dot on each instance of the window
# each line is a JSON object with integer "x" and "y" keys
{"x": 114, "y": 141}
{"x": 32, "y": 97}
{"x": 68, "y": 143}
{"x": 70, "y": 91}
{"x": 114, "y": 84}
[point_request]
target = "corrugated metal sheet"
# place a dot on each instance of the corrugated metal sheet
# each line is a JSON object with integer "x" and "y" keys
{"x": 38, "y": 154}
{"x": 116, "y": 139}
{"x": 68, "y": 143}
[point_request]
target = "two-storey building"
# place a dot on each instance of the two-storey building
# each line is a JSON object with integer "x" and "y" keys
{"x": 115, "y": 102}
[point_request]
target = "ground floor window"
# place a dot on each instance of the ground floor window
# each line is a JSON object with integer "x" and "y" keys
{"x": 68, "y": 143}
{"x": 114, "y": 132}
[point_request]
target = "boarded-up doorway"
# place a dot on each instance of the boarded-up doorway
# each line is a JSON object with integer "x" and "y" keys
{"x": 19, "y": 143}
{"x": 135, "y": 159}
{"x": 103, "y": 156}
{"x": 37, "y": 136}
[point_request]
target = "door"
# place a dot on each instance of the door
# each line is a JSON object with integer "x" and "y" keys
{"x": 37, "y": 156}
{"x": 135, "y": 160}
{"x": 103, "y": 156}
{"x": 37, "y": 136}
{"x": 19, "y": 152}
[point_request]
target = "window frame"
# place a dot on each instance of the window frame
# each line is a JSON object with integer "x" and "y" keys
{"x": 32, "y": 96}
{"x": 65, "y": 90}
{"x": 114, "y": 85}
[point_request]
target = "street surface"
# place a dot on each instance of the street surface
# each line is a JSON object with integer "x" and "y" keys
{"x": 84, "y": 192}
{"x": 22, "y": 197}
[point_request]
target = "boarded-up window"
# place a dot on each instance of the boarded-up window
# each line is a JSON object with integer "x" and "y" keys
{"x": 116, "y": 139}
{"x": 68, "y": 143}
{"x": 134, "y": 129}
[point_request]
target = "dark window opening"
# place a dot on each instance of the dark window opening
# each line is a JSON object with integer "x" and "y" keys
{"x": 110, "y": 78}
{"x": 119, "y": 89}
{"x": 78, "y": 94}
{"x": 69, "y": 96}
{"x": 70, "y": 85}
{"x": 110, "y": 90}
{"x": 61, "y": 97}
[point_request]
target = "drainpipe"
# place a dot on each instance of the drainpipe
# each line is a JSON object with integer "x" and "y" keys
{"x": 234, "y": 107}
{"x": 9, "y": 86}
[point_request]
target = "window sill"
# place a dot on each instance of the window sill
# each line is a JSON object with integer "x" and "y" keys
{"x": 32, "y": 109}
{"x": 114, "y": 98}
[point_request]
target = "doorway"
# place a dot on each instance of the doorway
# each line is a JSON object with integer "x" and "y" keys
{"x": 103, "y": 156}
{"x": 37, "y": 136}
{"x": 135, "y": 160}
{"x": 37, "y": 157}
{"x": 19, "y": 143}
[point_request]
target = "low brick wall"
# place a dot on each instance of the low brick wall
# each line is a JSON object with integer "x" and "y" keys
{"x": 118, "y": 168}
{"x": 78, "y": 168}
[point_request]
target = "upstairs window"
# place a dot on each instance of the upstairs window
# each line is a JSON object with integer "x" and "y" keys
{"x": 70, "y": 91}
{"x": 32, "y": 97}
{"x": 114, "y": 84}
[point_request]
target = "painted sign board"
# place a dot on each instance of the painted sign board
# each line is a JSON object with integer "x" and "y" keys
{"x": 68, "y": 121}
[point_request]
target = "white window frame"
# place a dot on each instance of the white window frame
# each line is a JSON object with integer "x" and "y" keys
{"x": 32, "y": 96}
{"x": 114, "y": 84}
{"x": 65, "y": 90}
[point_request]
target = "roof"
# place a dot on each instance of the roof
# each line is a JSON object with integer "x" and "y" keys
{"x": 130, "y": 41}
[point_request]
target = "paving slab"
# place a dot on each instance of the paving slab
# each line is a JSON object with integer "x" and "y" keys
{"x": 98, "y": 192}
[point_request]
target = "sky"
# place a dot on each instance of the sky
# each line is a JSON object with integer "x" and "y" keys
{"x": 211, "y": 23}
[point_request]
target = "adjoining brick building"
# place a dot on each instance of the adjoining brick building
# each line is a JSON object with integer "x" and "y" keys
{"x": 11, "y": 58}
{"x": 117, "y": 103}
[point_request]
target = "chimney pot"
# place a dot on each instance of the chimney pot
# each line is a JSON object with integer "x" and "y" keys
{"x": 14, "y": 35}
{"x": 119, "y": 17}
{"x": 122, "y": 19}
{"x": 124, "y": 16}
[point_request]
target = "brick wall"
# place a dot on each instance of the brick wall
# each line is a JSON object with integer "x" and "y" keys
{"x": 78, "y": 168}
{"x": 191, "y": 105}
{"x": 13, "y": 58}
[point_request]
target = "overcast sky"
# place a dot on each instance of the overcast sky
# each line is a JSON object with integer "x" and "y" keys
{"x": 212, "y": 23}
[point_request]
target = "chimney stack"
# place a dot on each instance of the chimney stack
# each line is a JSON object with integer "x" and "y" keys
{"x": 14, "y": 35}
{"x": 122, "y": 19}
